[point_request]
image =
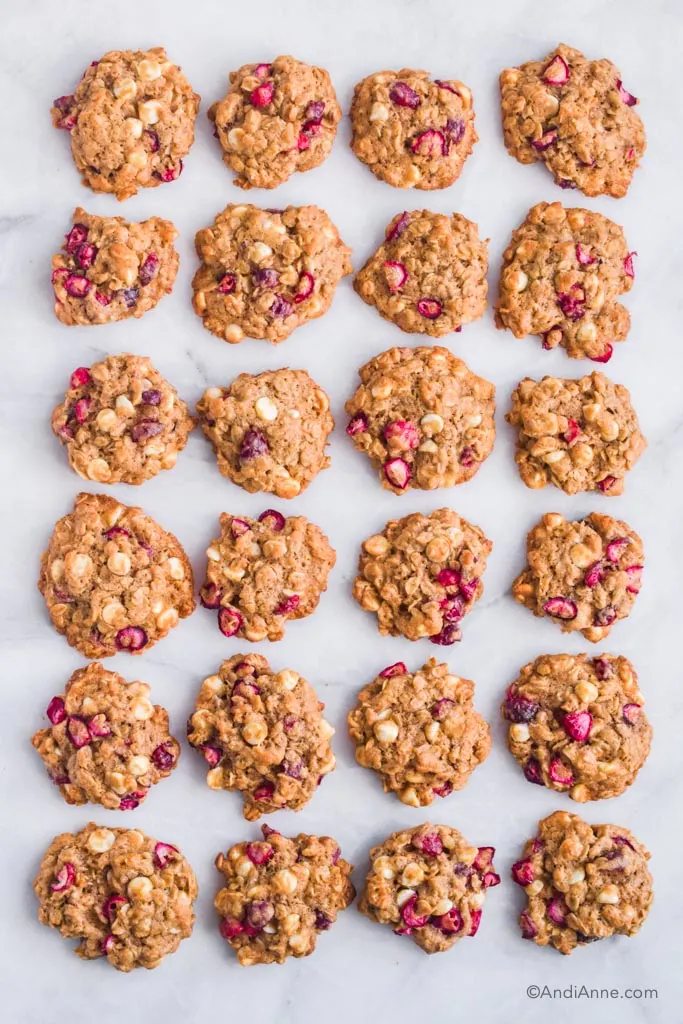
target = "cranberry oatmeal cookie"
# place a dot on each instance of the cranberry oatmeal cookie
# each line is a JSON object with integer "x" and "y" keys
{"x": 424, "y": 419}
{"x": 279, "y": 894}
{"x": 583, "y": 883}
{"x": 585, "y": 574}
{"x": 576, "y": 117}
{"x": 412, "y": 132}
{"x": 125, "y": 896}
{"x": 113, "y": 579}
{"x": 131, "y": 121}
{"x": 578, "y": 725}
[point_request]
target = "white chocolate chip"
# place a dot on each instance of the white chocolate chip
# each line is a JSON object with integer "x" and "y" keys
{"x": 259, "y": 252}
{"x": 124, "y": 406}
{"x": 135, "y": 127}
{"x": 149, "y": 70}
{"x": 428, "y": 446}
{"x": 125, "y": 89}
{"x": 586, "y": 692}
{"x": 213, "y": 554}
{"x": 143, "y": 709}
{"x": 379, "y": 112}
{"x": 138, "y": 765}
{"x": 386, "y": 732}
{"x": 413, "y": 874}
{"x": 57, "y": 570}
{"x": 443, "y": 906}
{"x": 101, "y": 840}
{"x": 519, "y": 733}
{"x": 288, "y": 678}
{"x": 255, "y": 731}
{"x": 214, "y": 778}
{"x": 149, "y": 111}
{"x": 176, "y": 569}
{"x": 233, "y": 334}
{"x": 403, "y": 895}
{"x": 577, "y": 876}
{"x": 610, "y": 894}
{"x": 432, "y": 423}
{"x": 266, "y": 409}
{"x": 140, "y": 888}
{"x": 106, "y": 419}
{"x": 112, "y": 612}
{"x": 119, "y": 563}
{"x": 286, "y": 881}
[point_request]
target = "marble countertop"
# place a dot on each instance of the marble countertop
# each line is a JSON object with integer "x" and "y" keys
{"x": 359, "y": 972}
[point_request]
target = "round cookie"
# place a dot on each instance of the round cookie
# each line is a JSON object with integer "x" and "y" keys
{"x": 412, "y": 132}
{"x": 266, "y": 272}
{"x": 562, "y": 274}
{"x": 578, "y": 725}
{"x": 429, "y": 275}
{"x": 585, "y": 575}
{"x": 262, "y": 734}
{"x": 419, "y": 731}
{"x": 111, "y": 269}
{"x": 424, "y": 419}
{"x": 121, "y": 422}
{"x": 430, "y": 884}
{"x": 262, "y": 572}
{"x": 125, "y": 896}
{"x": 269, "y": 430}
{"x": 131, "y": 121}
{"x": 276, "y": 119}
{"x": 279, "y": 894}
{"x": 579, "y": 435}
{"x": 583, "y": 883}
{"x": 422, "y": 575}
{"x": 576, "y": 117}
{"x": 113, "y": 579}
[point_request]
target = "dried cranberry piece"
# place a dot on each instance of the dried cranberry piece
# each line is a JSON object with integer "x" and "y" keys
{"x": 210, "y": 596}
{"x": 78, "y": 732}
{"x": 163, "y": 757}
{"x": 577, "y": 725}
{"x": 280, "y": 307}
{"x": 56, "y": 710}
{"x": 430, "y": 844}
{"x": 556, "y": 72}
{"x": 259, "y": 853}
{"x": 532, "y": 772}
{"x": 86, "y": 255}
{"x": 450, "y": 634}
{"x": 227, "y": 284}
{"x": 398, "y": 473}
{"x": 521, "y": 709}
{"x": 397, "y": 226}
{"x": 212, "y": 755}
{"x": 429, "y": 143}
{"x": 151, "y": 397}
{"x": 229, "y": 621}
{"x": 152, "y": 139}
{"x": 274, "y": 519}
{"x": 358, "y": 424}
{"x": 403, "y": 96}
{"x": 146, "y": 428}
{"x": 75, "y": 239}
{"x": 546, "y": 140}
{"x": 262, "y": 95}
{"x": 572, "y": 302}
{"x": 77, "y": 287}
{"x": 523, "y": 872}
{"x": 131, "y": 638}
{"x": 606, "y": 355}
{"x": 64, "y": 878}
{"x": 164, "y": 853}
{"x": 130, "y": 296}
{"x": 561, "y": 608}
{"x": 429, "y": 308}
{"x": 288, "y": 605}
{"x": 149, "y": 268}
{"x": 266, "y": 277}
{"x": 254, "y": 444}
{"x": 626, "y": 96}
{"x": 397, "y": 669}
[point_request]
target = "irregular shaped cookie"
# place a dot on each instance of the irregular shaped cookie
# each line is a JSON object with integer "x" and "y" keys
{"x": 123, "y": 895}
{"x": 262, "y": 734}
{"x": 584, "y": 574}
{"x": 113, "y": 579}
{"x": 269, "y": 430}
{"x": 111, "y": 269}
{"x": 276, "y": 119}
{"x": 121, "y": 421}
{"x": 429, "y": 883}
{"x": 583, "y": 883}
{"x": 576, "y": 117}
{"x": 423, "y": 417}
{"x": 422, "y": 575}
{"x": 262, "y": 572}
{"x": 280, "y": 894}
{"x": 578, "y": 724}
{"x": 131, "y": 121}
{"x": 562, "y": 274}
{"x": 266, "y": 272}
{"x": 412, "y": 132}
{"x": 419, "y": 731}
{"x": 107, "y": 743}
{"x": 580, "y": 435}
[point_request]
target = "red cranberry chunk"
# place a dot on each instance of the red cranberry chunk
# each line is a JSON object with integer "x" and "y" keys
{"x": 546, "y": 141}
{"x": 532, "y": 772}
{"x": 274, "y": 519}
{"x": 572, "y": 303}
{"x": 230, "y": 928}
{"x": 529, "y": 929}
{"x": 521, "y": 709}
{"x": 131, "y": 638}
{"x": 229, "y": 621}
{"x": 450, "y": 922}
{"x": 64, "y": 878}
{"x": 629, "y": 269}
{"x": 577, "y": 725}
{"x": 603, "y": 669}
{"x": 146, "y": 428}
{"x": 484, "y": 858}
{"x": 396, "y": 275}
{"x": 561, "y": 608}
{"x": 410, "y": 918}
{"x": 631, "y": 713}
{"x": 475, "y": 921}
{"x": 262, "y": 95}
{"x": 397, "y": 669}
{"x": 605, "y": 616}
{"x": 634, "y": 573}
{"x": 606, "y": 355}
{"x": 212, "y": 755}
{"x": 304, "y": 288}
{"x": 163, "y": 758}
{"x": 442, "y": 708}
{"x": 523, "y": 872}
{"x": 616, "y": 547}
{"x": 398, "y": 226}
{"x": 78, "y": 732}
{"x": 266, "y": 277}
{"x": 403, "y": 96}
{"x": 594, "y": 574}
{"x": 254, "y": 444}
{"x": 572, "y": 432}
{"x": 450, "y": 634}
{"x": 210, "y": 596}
{"x": 76, "y": 237}
{"x": 429, "y": 143}
{"x": 259, "y": 913}
{"x": 281, "y": 307}
{"x": 259, "y": 853}
{"x": 77, "y": 287}
{"x": 402, "y": 434}
{"x": 288, "y": 605}
{"x": 429, "y": 308}
{"x": 264, "y": 791}
{"x": 556, "y": 72}
{"x": 86, "y": 255}
{"x": 626, "y": 96}
{"x": 149, "y": 268}
{"x": 557, "y": 910}
{"x": 358, "y": 424}
{"x": 560, "y": 772}
{"x": 56, "y": 711}
{"x": 315, "y": 110}
{"x": 130, "y": 297}
{"x": 227, "y": 284}
{"x": 429, "y": 843}
{"x": 238, "y": 528}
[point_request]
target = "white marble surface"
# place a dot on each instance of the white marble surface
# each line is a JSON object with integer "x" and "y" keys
{"x": 359, "y": 972}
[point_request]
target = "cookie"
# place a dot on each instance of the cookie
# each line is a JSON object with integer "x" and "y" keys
{"x": 107, "y": 743}
{"x": 576, "y": 117}
{"x": 412, "y": 132}
{"x": 585, "y": 575}
{"x": 279, "y": 894}
{"x": 266, "y": 272}
{"x": 578, "y": 725}
{"x": 579, "y": 435}
{"x": 424, "y": 419}
{"x": 131, "y": 121}
{"x": 429, "y": 275}
{"x": 562, "y": 274}
{"x": 262, "y": 734}
{"x": 125, "y": 896}
{"x": 111, "y": 269}
{"x": 269, "y": 430}
{"x": 262, "y": 572}
{"x": 583, "y": 883}
{"x": 419, "y": 731}
{"x": 113, "y": 579}
{"x": 121, "y": 422}
{"x": 276, "y": 119}
{"x": 422, "y": 574}
{"x": 428, "y": 883}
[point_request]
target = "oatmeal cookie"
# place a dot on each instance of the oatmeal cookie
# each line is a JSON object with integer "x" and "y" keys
{"x": 429, "y": 883}
{"x": 412, "y": 132}
{"x": 276, "y": 119}
{"x": 422, "y": 575}
{"x": 262, "y": 572}
{"x": 423, "y": 417}
{"x": 131, "y": 121}
{"x": 113, "y": 579}
{"x": 576, "y": 117}
{"x": 111, "y": 269}
{"x": 269, "y": 430}
{"x": 578, "y": 724}
{"x": 121, "y": 422}
{"x": 583, "y": 883}
{"x": 562, "y": 274}
{"x": 266, "y": 272}
{"x": 280, "y": 894}
{"x": 585, "y": 574}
